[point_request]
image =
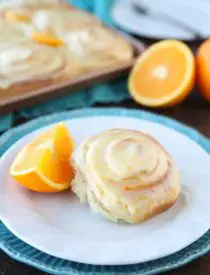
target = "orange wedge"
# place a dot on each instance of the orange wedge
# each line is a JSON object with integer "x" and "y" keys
{"x": 203, "y": 69}
{"x": 12, "y": 16}
{"x": 43, "y": 165}
{"x": 163, "y": 75}
{"x": 47, "y": 39}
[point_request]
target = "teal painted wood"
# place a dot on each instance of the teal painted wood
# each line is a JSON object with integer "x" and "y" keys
{"x": 22, "y": 252}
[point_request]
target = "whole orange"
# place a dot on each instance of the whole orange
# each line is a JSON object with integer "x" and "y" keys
{"x": 203, "y": 69}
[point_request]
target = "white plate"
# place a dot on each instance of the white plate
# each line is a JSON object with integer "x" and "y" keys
{"x": 187, "y": 20}
{"x": 60, "y": 226}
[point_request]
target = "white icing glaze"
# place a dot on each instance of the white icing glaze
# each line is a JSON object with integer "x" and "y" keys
{"x": 97, "y": 42}
{"x": 10, "y": 34}
{"x": 61, "y": 20}
{"x": 26, "y": 61}
{"x": 13, "y": 55}
{"x": 127, "y": 172}
{"x": 94, "y": 47}
{"x": 88, "y": 45}
{"x": 17, "y": 3}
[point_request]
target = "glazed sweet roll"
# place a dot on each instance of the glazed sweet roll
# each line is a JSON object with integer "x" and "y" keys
{"x": 87, "y": 43}
{"x": 21, "y": 12}
{"x": 10, "y": 34}
{"x": 16, "y": 5}
{"x": 60, "y": 21}
{"x": 96, "y": 46}
{"x": 26, "y": 61}
{"x": 125, "y": 175}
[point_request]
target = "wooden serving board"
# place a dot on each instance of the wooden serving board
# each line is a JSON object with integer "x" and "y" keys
{"x": 29, "y": 95}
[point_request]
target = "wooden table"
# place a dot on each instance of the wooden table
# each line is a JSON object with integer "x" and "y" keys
{"x": 194, "y": 112}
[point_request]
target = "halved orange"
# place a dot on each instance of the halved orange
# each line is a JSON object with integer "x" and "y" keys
{"x": 203, "y": 69}
{"x": 47, "y": 39}
{"x": 163, "y": 75}
{"x": 44, "y": 164}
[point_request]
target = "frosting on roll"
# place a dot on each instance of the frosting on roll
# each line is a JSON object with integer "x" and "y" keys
{"x": 96, "y": 46}
{"x": 125, "y": 175}
{"x": 5, "y": 4}
{"x": 87, "y": 42}
{"x": 24, "y": 61}
{"x": 10, "y": 34}
{"x": 22, "y": 11}
{"x": 60, "y": 21}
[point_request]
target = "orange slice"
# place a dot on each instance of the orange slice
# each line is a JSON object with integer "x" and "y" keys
{"x": 203, "y": 69}
{"x": 12, "y": 16}
{"x": 47, "y": 39}
{"x": 43, "y": 165}
{"x": 163, "y": 75}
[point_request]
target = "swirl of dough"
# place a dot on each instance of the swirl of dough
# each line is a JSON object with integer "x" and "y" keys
{"x": 96, "y": 46}
{"x": 25, "y": 61}
{"x": 22, "y": 11}
{"x": 87, "y": 42}
{"x": 59, "y": 21}
{"x": 125, "y": 175}
{"x": 20, "y": 4}
{"x": 10, "y": 34}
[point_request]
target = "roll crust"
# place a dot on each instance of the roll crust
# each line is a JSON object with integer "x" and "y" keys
{"x": 86, "y": 47}
{"x": 125, "y": 175}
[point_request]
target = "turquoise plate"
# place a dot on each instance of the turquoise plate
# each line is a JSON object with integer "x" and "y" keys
{"x": 22, "y": 252}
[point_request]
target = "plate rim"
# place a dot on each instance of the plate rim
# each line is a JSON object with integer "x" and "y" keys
{"x": 129, "y": 30}
{"x": 22, "y": 130}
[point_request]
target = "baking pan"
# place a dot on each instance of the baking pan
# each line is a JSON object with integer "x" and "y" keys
{"x": 29, "y": 95}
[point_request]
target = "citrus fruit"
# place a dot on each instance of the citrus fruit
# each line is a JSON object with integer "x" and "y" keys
{"x": 13, "y": 17}
{"x": 163, "y": 75}
{"x": 203, "y": 69}
{"x": 43, "y": 164}
{"x": 47, "y": 39}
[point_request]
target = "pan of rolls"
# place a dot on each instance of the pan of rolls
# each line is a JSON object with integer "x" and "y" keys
{"x": 48, "y": 48}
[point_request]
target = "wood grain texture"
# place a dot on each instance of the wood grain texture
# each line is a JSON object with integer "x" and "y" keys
{"x": 8, "y": 266}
